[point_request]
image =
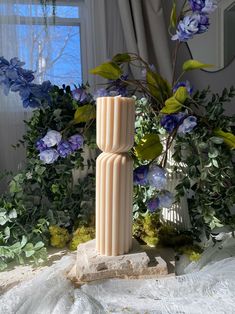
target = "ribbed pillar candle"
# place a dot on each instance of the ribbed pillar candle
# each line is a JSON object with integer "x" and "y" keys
{"x": 114, "y": 175}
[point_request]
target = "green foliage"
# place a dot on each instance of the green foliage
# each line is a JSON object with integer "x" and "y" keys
{"x": 81, "y": 235}
{"x": 42, "y": 195}
{"x": 149, "y": 147}
{"x": 108, "y": 70}
{"x": 209, "y": 167}
{"x": 149, "y": 229}
{"x": 175, "y": 103}
{"x": 194, "y": 65}
{"x": 84, "y": 113}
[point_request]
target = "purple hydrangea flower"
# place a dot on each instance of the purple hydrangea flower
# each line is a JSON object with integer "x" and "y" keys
{"x": 101, "y": 92}
{"x": 79, "y": 94}
{"x": 76, "y": 141}
{"x": 41, "y": 91}
{"x": 166, "y": 199}
{"x": 170, "y": 121}
{"x": 31, "y": 102}
{"x": 40, "y": 145}
{"x": 49, "y": 156}
{"x": 183, "y": 84}
{"x": 203, "y": 24}
{"x": 140, "y": 175}
{"x": 64, "y": 149}
{"x": 153, "y": 204}
{"x": 11, "y": 68}
{"x": 23, "y": 87}
{"x": 204, "y": 6}
{"x": 27, "y": 75}
{"x": 52, "y": 138}
{"x": 118, "y": 87}
{"x": 157, "y": 177}
{"x": 190, "y": 26}
{"x": 210, "y": 6}
{"x": 187, "y": 125}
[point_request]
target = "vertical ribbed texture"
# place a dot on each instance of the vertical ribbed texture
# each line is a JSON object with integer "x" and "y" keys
{"x": 114, "y": 175}
{"x": 115, "y": 124}
{"x": 177, "y": 215}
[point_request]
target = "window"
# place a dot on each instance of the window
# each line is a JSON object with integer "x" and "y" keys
{"x": 50, "y": 45}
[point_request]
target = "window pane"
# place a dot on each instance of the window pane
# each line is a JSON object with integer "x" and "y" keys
{"x": 54, "y": 53}
{"x": 38, "y": 10}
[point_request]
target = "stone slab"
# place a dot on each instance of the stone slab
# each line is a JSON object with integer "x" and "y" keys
{"x": 141, "y": 262}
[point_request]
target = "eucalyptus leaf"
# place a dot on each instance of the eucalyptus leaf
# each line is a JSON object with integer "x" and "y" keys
{"x": 108, "y": 70}
{"x": 171, "y": 106}
{"x": 84, "y": 113}
{"x": 195, "y": 64}
{"x": 121, "y": 58}
{"x": 149, "y": 147}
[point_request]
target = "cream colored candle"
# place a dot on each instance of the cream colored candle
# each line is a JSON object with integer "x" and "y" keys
{"x": 114, "y": 175}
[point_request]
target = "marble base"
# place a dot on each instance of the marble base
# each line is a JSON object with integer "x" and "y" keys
{"x": 141, "y": 262}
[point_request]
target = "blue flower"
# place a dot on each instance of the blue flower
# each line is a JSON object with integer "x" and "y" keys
{"x": 166, "y": 199}
{"x": 140, "y": 175}
{"x": 41, "y": 91}
{"x": 102, "y": 92}
{"x": 23, "y": 87}
{"x": 31, "y": 102}
{"x": 27, "y": 75}
{"x": 64, "y": 149}
{"x": 52, "y": 138}
{"x": 210, "y": 6}
{"x": 3, "y": 63}
{"x": 118, "y": 87}
{"x": 79, "y": 94}
{"x": 49, "y": 156}
{"x": 40, "y": 145}
{"x": 170, "y": 121}
{"x": 204, "y": 6}
{"x": 153, "y": 204}
{"x": 203, "y": 24}
{"x": 184, "y": 84}
{"x": 190, "y": 26}
{"x": 76, "y": 141}
{"x": 11, "y": 68}
{"x": 187, "y": 125}
{"x": 157, "y": 177}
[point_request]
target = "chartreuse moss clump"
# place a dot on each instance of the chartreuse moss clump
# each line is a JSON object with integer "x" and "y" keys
{"x": 149, "y": 229}
{"x": 81, "y": 235}
{"x": 59, "y": 236}
{"x": 192, "y": 251}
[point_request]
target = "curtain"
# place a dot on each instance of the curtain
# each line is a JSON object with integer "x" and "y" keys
{"x": 145, "y": 32}
{"x": 11, "y": 110}
{"x": 19, "y": 37}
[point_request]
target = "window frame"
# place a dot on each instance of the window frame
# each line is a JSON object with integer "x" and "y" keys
{"x": 81, "y": 22}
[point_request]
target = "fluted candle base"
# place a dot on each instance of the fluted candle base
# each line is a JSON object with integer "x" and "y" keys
{"x": 114, "y": 185}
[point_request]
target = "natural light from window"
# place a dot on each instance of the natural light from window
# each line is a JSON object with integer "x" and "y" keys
{"x": 54, "y": 51}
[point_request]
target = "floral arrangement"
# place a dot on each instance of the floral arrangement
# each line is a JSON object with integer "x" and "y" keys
{"x": 44, "y": 205}
{"x": 192, "y": 123}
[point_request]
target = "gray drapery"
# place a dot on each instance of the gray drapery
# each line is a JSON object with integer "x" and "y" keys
{"x": 145, "y": 32}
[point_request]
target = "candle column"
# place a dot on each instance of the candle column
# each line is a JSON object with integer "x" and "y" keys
{"x": 114, "y": 175}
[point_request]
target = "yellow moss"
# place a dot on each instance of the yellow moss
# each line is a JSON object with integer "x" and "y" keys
{"x": 81, "y": 235}
{"x": 59, "y": 236}
{"x": 150, "y": 241}
{"x": 193, "y": 252}
{"x": 194, "y": 256}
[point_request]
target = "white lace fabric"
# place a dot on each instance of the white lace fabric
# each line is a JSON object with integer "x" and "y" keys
{"x": 206, "y": 288}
